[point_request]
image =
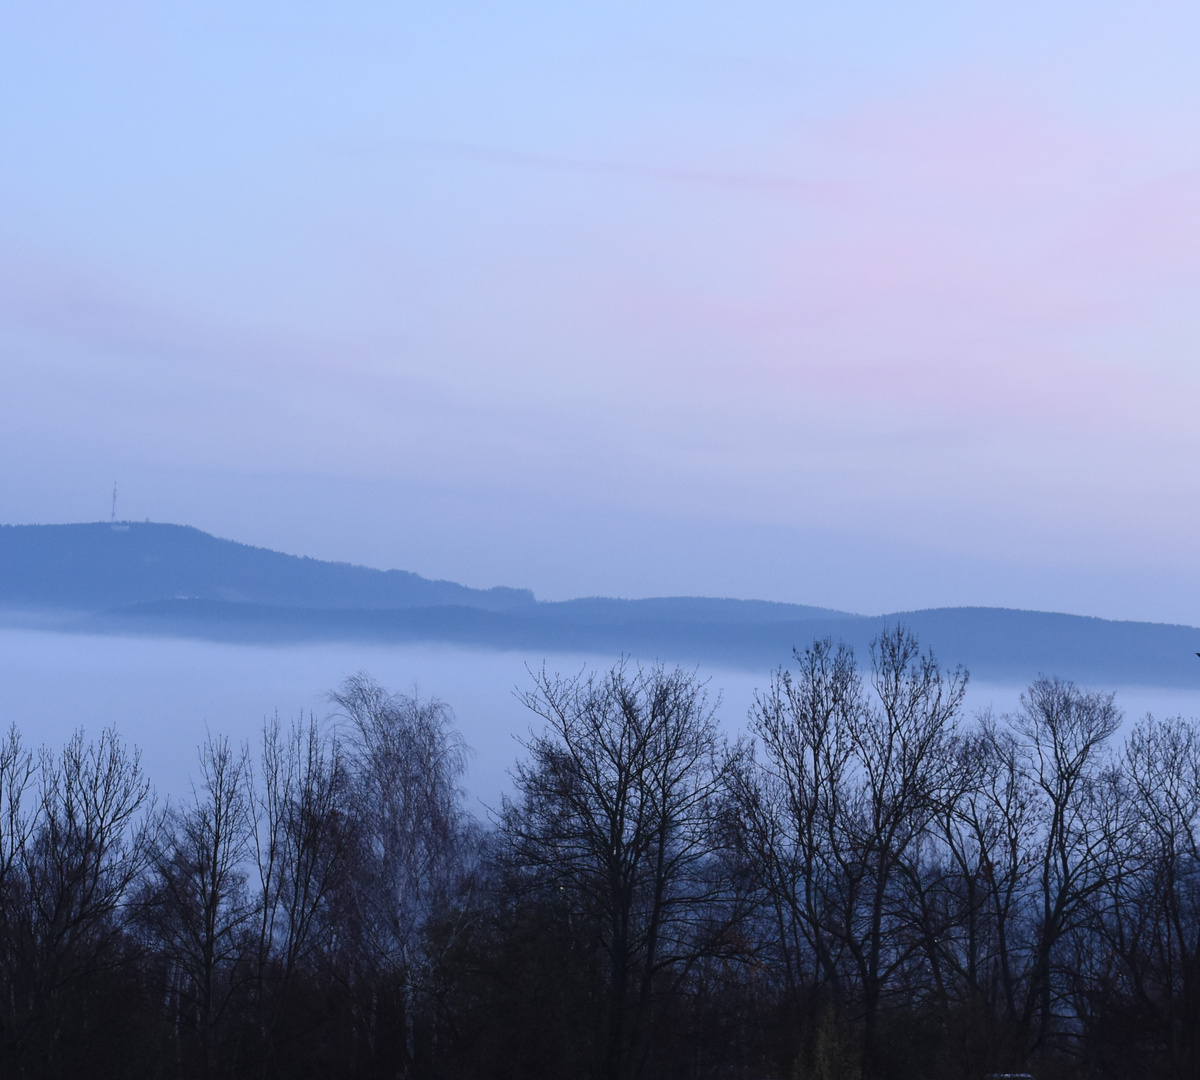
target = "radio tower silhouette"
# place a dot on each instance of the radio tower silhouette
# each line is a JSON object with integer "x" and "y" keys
{"x": 113, "y": 516}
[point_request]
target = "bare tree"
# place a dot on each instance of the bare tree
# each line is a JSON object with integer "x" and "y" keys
{"x": 16, "y": 828}
{"x": 1064, "y": 731}
{"x": 1153, "y": 922}
{"x": 406, "y": 762}
{"x": 199, "y": 906}
{"x": 16, "y": 774}
{"x": 901, "y": 760}
{"x": 304, "y": 832}
{"x": 838, "y": 820}
{"x": 790, "y": 819}
{"x": 16, "y": 823}
{"x": 987, "y": 827}
{"x": 69, "y": 862}
{"x": 616, "y": 808}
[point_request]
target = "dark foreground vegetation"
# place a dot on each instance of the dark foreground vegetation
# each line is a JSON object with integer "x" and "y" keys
{"x": 876, "y": 887}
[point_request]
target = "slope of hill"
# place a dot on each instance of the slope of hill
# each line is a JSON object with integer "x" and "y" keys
{"x": 95, "y": 566}
{"x": 165, "y": 579}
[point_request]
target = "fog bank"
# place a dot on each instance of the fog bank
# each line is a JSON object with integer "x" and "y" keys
{"x": 162, "y": 694}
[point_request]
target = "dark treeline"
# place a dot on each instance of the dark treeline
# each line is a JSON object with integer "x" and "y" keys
{"x": 871, "y": 885}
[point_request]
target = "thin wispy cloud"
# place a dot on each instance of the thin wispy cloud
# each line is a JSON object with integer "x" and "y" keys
{"x": 645, "y": 284}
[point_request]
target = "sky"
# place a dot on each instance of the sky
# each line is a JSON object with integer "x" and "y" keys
{"x": 874, "y": 306}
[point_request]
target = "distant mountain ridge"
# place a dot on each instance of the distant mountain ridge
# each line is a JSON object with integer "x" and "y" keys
{"x": 101, "y": 565}
{"x": 151, "y": 579}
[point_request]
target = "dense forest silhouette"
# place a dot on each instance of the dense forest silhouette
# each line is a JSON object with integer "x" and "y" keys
{"x": 872, "y": 884}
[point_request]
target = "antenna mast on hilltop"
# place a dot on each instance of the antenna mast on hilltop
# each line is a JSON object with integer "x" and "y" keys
{"x": 113, "y": 516}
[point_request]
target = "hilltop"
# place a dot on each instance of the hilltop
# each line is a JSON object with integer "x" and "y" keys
{"x": 97, "y": 566}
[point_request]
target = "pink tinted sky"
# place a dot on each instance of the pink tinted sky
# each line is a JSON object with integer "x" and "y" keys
{"x": 829, "y": 303}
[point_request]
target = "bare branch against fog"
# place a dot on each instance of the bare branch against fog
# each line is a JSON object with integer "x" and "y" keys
{"x": 879, "y": 887}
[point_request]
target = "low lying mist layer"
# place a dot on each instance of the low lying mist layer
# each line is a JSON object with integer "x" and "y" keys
{"x": 866, "y": 878}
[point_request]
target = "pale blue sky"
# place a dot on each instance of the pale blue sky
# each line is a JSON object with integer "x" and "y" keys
{"x": 868, "y": 305}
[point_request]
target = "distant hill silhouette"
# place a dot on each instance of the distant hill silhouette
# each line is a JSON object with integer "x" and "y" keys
{"x": 170, "y": 579}
{"x": 93, "y": 566}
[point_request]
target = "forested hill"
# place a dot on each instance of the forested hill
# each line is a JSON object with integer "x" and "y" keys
{"x": 99, "y": 566}
{"x": 168, "y": 579}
